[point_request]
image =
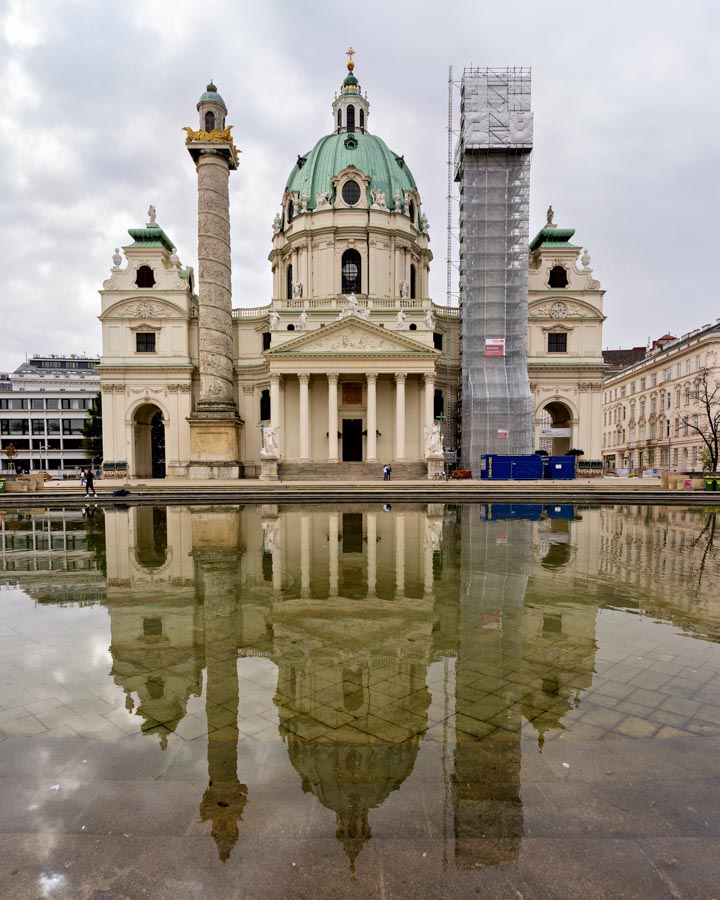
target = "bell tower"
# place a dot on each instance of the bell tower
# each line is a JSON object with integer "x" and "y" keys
{"x": 351, "y": 110}
{"x": 214, "y": 422}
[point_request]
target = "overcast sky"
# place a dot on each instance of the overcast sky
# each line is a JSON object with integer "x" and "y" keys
{"x": 94, "y": 96}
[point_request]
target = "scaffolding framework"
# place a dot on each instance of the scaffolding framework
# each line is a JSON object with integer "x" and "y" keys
{"x": 493, "y": 167}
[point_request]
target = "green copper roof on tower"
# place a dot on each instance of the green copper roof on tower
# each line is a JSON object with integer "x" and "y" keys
{"x": 211, "y": 96}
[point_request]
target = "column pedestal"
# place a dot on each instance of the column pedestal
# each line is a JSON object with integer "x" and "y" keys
{"x": 214, "y": 446}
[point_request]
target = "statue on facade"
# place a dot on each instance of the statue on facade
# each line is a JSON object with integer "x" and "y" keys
{"x": 270, "y": 447}
{"x": 378, "y": 198}
{"x": 174, "y": 258}
{"x": 116, "y": 258}
{"x": 433, "y": 440}
{"x": 297, "y": 290}
{"x": 585, "y": 258}
{"x": 406, "y": 202}
{"x": 151, "y": 217}
{"x": 304, "y": 202}
{"x": 274, "y": 320}
{"x": 350, "y": 308}
{"x": 322, "y": 198}
{"x": 397, "y": 201}
{"x": 429, "y": 320}
{"x": 404, "y": 289}
{"x": 270, "y": 535}
{"x": 550, "y": 216}
{"x": 400, "y": 320}
{"x": 276, "y": 224}
{"x": 295, "y": 203}
{"x": 424, "y": 224}
{"x": 364, "y": 313}
{"x": 302, "y": 321}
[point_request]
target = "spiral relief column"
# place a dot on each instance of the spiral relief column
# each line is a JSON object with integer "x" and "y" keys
{"x": 214, "y": 423}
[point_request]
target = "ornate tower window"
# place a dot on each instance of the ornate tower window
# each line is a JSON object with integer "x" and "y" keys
{"x": 351, "y": 272}
{"x": 145, "y": 277}
{"x": 362, "y": 119}
{"x": 289, "y": 282}
{"x": 558, "y": 277}
{"x": 339, "y": 119}
{"x": 351, "y": 192}
{"x": 209, "y": 121}
{"x": 351, "y": 118}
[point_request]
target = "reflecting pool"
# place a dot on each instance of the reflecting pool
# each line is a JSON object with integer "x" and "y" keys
{"x": 408, "y": 700}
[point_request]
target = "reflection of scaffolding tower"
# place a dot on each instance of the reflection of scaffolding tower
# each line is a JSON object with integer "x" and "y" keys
{"x": 493, "y": 168}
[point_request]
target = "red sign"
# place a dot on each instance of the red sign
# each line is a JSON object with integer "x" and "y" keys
{"x": 494, "y": 346}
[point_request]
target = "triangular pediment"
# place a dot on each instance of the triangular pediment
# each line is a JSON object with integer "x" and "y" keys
{"x": 353, "y": 335}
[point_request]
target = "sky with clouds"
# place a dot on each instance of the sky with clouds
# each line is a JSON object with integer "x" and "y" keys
{"x": 95, "y": 95}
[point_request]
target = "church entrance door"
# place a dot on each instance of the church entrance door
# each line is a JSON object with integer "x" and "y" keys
{"x": 352, "y": 440}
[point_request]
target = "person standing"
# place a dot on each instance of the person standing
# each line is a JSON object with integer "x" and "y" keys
{"x": 89, "y": 482}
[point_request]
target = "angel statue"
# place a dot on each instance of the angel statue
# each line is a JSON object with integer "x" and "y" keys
{"x": 433, "y": 440}
{"x": 270, "y": 442}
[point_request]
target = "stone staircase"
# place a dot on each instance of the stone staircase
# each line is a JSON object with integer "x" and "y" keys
{"x": 350, "y": 471}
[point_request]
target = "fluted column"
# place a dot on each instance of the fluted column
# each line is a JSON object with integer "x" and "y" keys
{"x": 400, "y": 415}
{"x": 372, "y": 416}
{"x": 429, "y": 399}
{"x": 274, "y": 401}
{"x": 215, "y": 362}
{"x": 332, "y": 417}
{"x": 304, "y": 379}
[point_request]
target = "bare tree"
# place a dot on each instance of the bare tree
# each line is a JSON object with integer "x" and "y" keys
{"x": 706, "y": 420}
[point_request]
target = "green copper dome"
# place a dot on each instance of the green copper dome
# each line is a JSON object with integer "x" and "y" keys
{"x": 388, "y": 172}
{"x": 211, "y": 96}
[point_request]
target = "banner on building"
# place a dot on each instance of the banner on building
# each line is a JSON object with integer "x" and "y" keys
{"x": 494, "y": 346}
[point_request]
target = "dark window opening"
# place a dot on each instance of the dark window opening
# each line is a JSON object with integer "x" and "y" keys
{"x": 352, "y": 533}
{"x": 413, "y": 281}
{"x": 145, "y": 343}
{"x": 557, "y": 343}
{"x": 351, "y": 272}
{"x": 267, "y": 566}
{"x": 266, "y": 340}
{"x": 413, "y": 326}
{"x": 362, "y": 120}
{"x": 291, "y": 327}
{"x": 351, "y": 192}
{"x": 289, "y": 215}
{"x": 339, "y": 118}
{"x": 209, "y": 121}
{"x": 265, "y": 406}
{"x": 438, "y": 404}
{"x": 437, "y": 341}
{"x": 411, "y": 211}
{"x": 351, "y": 118}
{"x": 558, "y": 277}
{"x": 145, "y": 277}
{"x": 289, "y": 283}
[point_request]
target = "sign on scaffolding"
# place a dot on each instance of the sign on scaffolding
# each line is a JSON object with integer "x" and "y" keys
{"x": 494, "y": 346}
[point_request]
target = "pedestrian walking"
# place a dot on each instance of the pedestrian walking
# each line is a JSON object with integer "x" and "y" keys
{"x": 89, "y": 483}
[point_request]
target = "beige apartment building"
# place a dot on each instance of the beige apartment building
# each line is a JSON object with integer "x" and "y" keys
{"x": 650, "y": 408}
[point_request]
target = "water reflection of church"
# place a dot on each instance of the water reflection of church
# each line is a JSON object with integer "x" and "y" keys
{"x": 354, "y": 606}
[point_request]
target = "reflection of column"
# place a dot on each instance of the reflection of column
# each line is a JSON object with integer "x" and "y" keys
{"x": 332, "y": 417}
{"x": 372, "y": 416}
{"x": 428, "y": 551}
{"x": 371, "y": 554}
{"x": 333, "y": 530}
{"x": 304, "y": 379}
{"x": 277, "y": 558}
{"x": 305, "y": 555}
{"x": 400, "y": 555}
{"x": 400, "y": 415}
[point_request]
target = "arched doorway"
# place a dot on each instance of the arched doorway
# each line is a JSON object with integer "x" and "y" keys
{"x": 149, "y": 437}
{"x": 556, "y": 428}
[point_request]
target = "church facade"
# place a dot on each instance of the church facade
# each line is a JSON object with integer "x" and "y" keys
{"x": 350, "y": 367}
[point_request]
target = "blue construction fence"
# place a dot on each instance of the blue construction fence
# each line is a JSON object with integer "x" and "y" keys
{"x": 527, "y": 468}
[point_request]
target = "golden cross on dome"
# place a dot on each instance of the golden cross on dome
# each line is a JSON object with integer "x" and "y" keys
{"x": 350, "y": 53}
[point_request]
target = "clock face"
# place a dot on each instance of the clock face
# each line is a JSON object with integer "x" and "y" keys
{"x": 558, "y": 310}
{"x": 144, "y": 310}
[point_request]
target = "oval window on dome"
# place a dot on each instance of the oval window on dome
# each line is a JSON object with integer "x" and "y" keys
{"x": 351, "y": 192}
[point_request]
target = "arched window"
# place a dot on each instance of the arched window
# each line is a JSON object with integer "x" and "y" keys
{"x": 558, "y": 277}
{"x": 411, "y": 211}
{"x": 209, "y": 121}
{"x": 413, "y": 280}
{"x": 362, "y": 120}
{"x": 145, "y": 277}
{"x": 289, "y": 214}
{"x": 351, "y": 118}
{"x": 265, "y": 406}
{"x": 339, "y": 118}
{"x": 351, "y": 272}
{"x": 438, "y": 404}
{"x": 289, "y": 283}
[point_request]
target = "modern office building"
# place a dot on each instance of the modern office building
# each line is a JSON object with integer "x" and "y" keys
{"x": 43, "y": 411}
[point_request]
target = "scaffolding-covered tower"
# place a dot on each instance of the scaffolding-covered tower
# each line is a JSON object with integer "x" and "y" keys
{"x": 493, "y": 168}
